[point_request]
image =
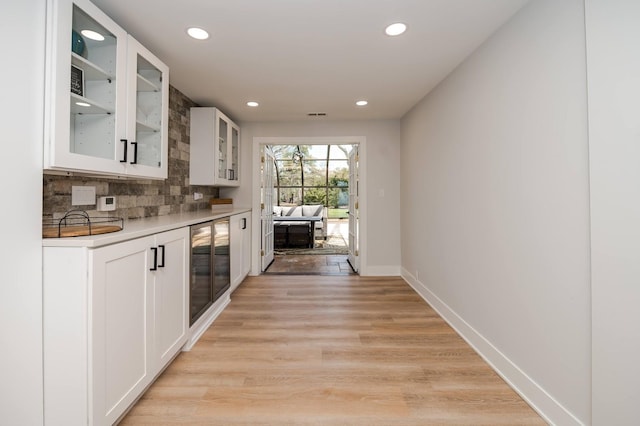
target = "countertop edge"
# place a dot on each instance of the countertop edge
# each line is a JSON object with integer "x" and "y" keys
{"x": 137, "y": 228}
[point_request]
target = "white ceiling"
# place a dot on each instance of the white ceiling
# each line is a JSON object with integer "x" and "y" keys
{"x": 301, "y": 56}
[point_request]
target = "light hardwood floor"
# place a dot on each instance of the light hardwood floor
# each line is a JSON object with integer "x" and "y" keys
{"x": 329, "y": 350}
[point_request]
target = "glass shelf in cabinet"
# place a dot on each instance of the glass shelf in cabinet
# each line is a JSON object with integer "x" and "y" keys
{"x": 145, "y": 85}
{"x": 91, "y": 70}
{"x": 146, "y": 127}
{"x": 92, "y": 108}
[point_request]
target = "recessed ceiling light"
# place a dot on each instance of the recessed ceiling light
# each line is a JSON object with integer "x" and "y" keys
{"x": 83, "y": 104}
{"x": 198, "y": 33}
{"x": 92, "y": 35}
{"x": 362, "y": 103}
{"x": 395, "y": 29}
{"x": 252, "y": 104}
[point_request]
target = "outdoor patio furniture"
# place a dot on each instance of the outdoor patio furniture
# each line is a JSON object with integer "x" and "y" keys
{"x": 300, "y": 235}
{"x": 280, "y": 235}
{"x": 315, "y": 212}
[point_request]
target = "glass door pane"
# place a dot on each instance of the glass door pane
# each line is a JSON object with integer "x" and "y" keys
{"x": 222, "y": 148}
{"x": 201, "y": 294}
{"x": 235, "y": 152}
{"x": 222, "y": 271}
{"x": 148, "y": 113}
{"x": 93, "y": 88}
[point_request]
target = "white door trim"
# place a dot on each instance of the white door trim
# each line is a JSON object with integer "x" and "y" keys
{"x": 331, "y": 140}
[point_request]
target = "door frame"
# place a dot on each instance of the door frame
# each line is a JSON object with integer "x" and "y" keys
{"x": 256, "y": 237}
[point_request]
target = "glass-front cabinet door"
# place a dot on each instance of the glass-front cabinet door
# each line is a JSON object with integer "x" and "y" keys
{"x": 147, "y": 125}
{"x": 228, "y": 139}
{"x": 223, "y": 141}
{"x": 93, "y": 105}
{"x": 86, "y": 88}
{"x": 214, "y": 157}
{"x": 235, "y": 154}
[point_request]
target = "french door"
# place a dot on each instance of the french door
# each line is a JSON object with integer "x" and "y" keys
{"x": 354, "y": 249}
{"x": 267, "y": 160}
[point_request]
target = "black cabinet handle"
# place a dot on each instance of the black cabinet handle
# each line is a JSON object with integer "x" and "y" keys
{"x": 124, "y": 160}
{"x": 244, "y": 223}
{"x": 135, "y": 153}
{"x": 155, "y": 259}
{"x": 161, "y": 264}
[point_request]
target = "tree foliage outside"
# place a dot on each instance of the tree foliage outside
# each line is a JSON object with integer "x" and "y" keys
{"x": 315, "y": 196}
{"x": 339, "y": 188}
{"x": 303, "y": 179}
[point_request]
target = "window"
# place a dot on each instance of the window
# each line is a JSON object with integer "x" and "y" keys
{"x": 313, "y": 174}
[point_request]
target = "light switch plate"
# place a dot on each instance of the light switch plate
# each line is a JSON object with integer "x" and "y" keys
{"x": 83, "y": 195}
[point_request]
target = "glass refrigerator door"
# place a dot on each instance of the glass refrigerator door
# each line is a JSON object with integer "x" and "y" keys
{"x": 222, "y": 271}
{"x": 201, "y": 261}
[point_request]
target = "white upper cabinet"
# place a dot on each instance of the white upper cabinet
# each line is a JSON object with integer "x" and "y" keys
{"x": 106, "y": 97}
{"x": 148, "y": 100}
{"x": 214, "y": 150}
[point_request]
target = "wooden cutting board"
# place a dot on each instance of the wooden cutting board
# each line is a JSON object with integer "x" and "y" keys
{"x": 78, "y": 231}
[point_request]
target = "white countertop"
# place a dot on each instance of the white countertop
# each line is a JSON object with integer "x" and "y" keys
{"x": 136, "y": 228}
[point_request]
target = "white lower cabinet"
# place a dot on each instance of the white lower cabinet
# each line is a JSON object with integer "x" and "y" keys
{"x": 171, "y": 301}
{"x": 240, "y": 248}
{"x": 121, "y": 314}
{"x": 114, "y": 316}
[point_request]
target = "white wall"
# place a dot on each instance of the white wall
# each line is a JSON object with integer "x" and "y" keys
{"x": 613, "y": 59}
{"x": 495, "y": 205}
{"x": 382, "y": 177}
{"x": 22, "y": 79}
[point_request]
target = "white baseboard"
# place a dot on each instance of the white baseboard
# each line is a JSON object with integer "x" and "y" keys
{"x": 543, "y": 403}
{"x": 203, "y": 323}
{"x": 380, "y": 271}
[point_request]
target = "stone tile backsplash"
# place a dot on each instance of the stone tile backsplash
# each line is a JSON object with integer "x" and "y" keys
{"x": 139, "y": 198}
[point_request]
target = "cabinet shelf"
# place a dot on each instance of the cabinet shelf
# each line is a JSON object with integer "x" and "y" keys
{"x": 147, "y": 128}
{"x": 145, "y": 85}
{"x": 93, "y": 108}
{"x": 91, "y": 70}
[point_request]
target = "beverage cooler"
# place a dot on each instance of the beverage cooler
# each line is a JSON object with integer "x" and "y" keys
{"x": 210, "y": 265}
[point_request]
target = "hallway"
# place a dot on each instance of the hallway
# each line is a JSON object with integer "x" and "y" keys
{"x": 311, "y": 350}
